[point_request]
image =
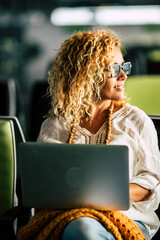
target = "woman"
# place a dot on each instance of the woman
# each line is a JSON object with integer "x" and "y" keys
{"x": 88, "y": 106}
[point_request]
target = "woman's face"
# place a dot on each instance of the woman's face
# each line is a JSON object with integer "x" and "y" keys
{"x": 114, "y": 87}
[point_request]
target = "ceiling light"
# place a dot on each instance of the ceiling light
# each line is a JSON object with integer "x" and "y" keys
{"x": 109, "y": 15}
{"x": 127, "y": 15}
{"x": 72, "y": 16}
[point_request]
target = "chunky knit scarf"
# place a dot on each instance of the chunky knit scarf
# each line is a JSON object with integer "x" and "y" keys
{"x": 48, "y": 224}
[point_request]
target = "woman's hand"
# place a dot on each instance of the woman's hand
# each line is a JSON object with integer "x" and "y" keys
{"x": 138, "y": 193}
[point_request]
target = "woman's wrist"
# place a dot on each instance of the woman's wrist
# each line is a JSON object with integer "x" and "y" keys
{"x": 138, "y": 193}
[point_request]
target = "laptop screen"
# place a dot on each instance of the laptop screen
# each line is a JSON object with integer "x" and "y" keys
{"x": 63, "y": 176}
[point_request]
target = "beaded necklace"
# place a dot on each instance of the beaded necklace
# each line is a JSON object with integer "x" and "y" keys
{"x": 109, "y": 125}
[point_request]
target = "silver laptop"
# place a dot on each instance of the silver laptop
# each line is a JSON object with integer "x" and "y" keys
{"x": 64, "y": 176}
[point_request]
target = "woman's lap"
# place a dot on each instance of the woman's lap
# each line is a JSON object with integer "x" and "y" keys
{"x": 143, "y": 229}
{"x": 86, "y": 228}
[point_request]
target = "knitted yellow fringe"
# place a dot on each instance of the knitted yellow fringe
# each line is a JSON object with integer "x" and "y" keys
{"x": 49, "y": 224}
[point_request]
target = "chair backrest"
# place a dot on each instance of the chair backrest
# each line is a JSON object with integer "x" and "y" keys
{"x": 18, "y": 137}
{"x": 156, "y": 121}
{"x": 144, "y": 92}
{"x": 8, "y": 96}
{"x": 7, "y": 166}
{"x": 39, "y": 106}
{"x": 11, "y": 99}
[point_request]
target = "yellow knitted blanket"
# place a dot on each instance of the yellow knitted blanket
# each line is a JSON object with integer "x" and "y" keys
{"x": 48, "y": 224}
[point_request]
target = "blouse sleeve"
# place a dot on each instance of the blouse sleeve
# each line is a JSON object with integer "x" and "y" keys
{"x": 52, "y": 131}
{"x": 147, "y": 167}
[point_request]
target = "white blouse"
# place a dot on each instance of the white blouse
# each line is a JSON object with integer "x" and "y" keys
{"x": 131, "y": 127}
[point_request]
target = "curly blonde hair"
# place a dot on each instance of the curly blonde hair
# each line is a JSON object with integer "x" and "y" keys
{"x": 77, "y": 74}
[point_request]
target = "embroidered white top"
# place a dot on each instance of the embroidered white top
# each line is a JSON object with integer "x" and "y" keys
{"x": 131, "y": 127}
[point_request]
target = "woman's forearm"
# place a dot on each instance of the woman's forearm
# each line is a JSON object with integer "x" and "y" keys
{"x": 138, "y": 193}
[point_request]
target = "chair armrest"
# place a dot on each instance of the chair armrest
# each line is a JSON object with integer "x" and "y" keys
{"x": 13, "y": 213}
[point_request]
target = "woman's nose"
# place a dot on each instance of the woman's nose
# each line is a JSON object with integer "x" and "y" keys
{"x": 122, "y": 76}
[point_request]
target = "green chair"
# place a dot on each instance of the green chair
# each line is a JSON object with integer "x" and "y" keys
{"x": 144, "y": 92}
{"x": 11, "y": 208}
{"x": 18, "y": 137}
{"x": 7, "y": 166}
{"x": 7, "y": 173}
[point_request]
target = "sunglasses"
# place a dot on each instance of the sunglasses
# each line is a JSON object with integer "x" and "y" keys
{"x": 126, "y": 67}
